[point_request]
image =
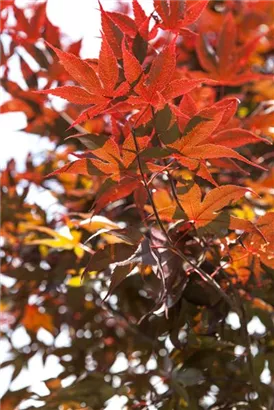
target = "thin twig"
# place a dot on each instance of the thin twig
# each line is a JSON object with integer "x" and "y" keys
{"x": 206, "y": 277}
{"x": 160, "y": 223}
{"x": 173, "y": 190}
{"x": 170, "y": 179}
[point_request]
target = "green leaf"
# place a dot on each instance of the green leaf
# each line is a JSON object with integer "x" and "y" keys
{"x": 193, "y": 123}
{"x": 162, "y": 119}
{"x": 171, "y": 135}
{"x": 155, "y": 152}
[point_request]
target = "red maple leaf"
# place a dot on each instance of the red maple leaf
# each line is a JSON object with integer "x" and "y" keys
{"x": 100, "y": 89}
{"x": 205, "y": 140}
{"x": 176, "y": 15}
{"x": 227, "y": 62}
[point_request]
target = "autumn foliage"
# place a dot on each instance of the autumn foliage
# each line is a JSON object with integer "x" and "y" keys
{"x": 162, "y": 173}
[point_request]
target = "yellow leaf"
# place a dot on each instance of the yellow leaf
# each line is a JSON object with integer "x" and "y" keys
{"x": 59, "y": 240}
{"x": 183, "y": 402}
{"x": 4, "y": 306}
{"x": 74, "y": 282}
{"x": 76, "y": 235}
{"x": 79, "y": 252}
{"x": 98, "y": 222}
{"x": 63, "y": 243}
{"x": 43, "y": 251}
{"x": 243, "y": 112}
{"x": 246, "y": 212}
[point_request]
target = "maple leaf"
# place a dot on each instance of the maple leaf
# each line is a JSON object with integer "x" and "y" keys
{"x": 263, "y": 247}
{"x": 99, "y": 89}
{"x": 227, "y": 63}
{"x": 207, "y": 213}
{"x": 58, "y": 240}
{"x": 117, "y": 191}
{"x": 125, "y": 23}
{"x": 159, "y": 86}
{"x": 115, "y": 25}
{"x": 203, "y": 212}
{"x": 256, "y": 250}
{"x": 82, "y": 166}
{"x": 165, "y": 205}
{"x": 132, "y": 68}
{"x": 31, "y": 27}
{"x": 197, "y": 211}
{"x": 107, "y": 67}
{"x": 203, "y": 141}
{"x": 73, "y": 94}
{"x": 113, "y": 34}
{"x": 117, "y": 169}
{"x": 80, "y": 70}
{"x": 176, "y": 15}
{"x": 142, "y": 21}
{"x": 33, "y": 320}
{"x": 96, "y": 223}
{"x": 261, "y": 121}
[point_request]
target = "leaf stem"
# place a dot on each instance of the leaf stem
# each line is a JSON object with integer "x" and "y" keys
{"x": 160, "y": 223}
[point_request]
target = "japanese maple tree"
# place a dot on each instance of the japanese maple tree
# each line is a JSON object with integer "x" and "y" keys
{"x": 161, "y": 251}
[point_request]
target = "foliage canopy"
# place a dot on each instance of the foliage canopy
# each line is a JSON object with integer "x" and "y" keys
{"x": 164, "y": 236}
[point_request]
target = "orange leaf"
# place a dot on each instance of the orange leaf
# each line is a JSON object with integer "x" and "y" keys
{"x": 208, "y": 151}
{"x": 261, "y": 243}
{"x": 33, "y": 320}
{"x": 200, "y": 132}
{"x": 80, "y": 70}
{"x": 203, "y": 212}
{"x": 75, "y": 95}
{"x": 164, "y": 204}
{"x": 236, "y": 137}
{"x": 132, "y": 68}
{"x": 80, "y": 166}
{"x": 108, "y": 68}
{"x": 162, "y": 69}
{"x": 112, "y": 32}
{"x": 179, "y": 87}
{"x": 119, "y": 190}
